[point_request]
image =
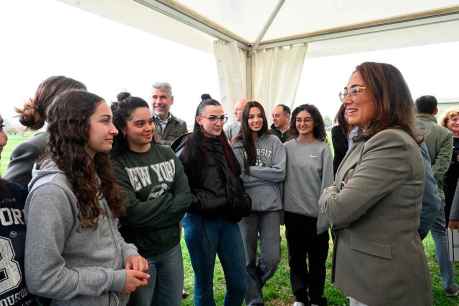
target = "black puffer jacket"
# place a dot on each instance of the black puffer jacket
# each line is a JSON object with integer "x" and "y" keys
{"x": 217, "y": 191}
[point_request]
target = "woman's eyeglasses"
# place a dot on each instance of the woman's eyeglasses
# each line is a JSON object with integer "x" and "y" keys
{"x": 351, "y": 92}
{"x": 213, "y": 119}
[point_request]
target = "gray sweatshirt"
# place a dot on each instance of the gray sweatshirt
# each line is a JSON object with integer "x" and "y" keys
{"x": 64, "y": 262}
{"x": 309, "y": 171}
{"x": 264, "y": 184}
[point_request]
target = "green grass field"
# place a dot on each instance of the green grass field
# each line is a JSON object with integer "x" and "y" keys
{"x": 277, "y": 291}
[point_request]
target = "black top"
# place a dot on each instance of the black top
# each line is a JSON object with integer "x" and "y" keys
{"x": 340, "y": 146}
{"x": 283, "y": 136}
{"x": 13, "y": 290}
{"x": 217, "y": 192}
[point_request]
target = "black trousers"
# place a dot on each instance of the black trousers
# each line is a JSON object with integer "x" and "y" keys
{"x": 307, "y": 254}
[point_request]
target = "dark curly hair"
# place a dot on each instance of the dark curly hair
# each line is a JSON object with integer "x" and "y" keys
{"x": 44, "y": 96}
{"x": 245, "y": 134}
{"x": 122, "y": 111}
{"x": 90, "y": 178}
{"x": 319, "y": 127}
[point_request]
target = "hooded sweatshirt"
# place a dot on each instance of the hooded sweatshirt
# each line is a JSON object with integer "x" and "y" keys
{"x": 69, "y": 264}
{"x": 265, "y": 178}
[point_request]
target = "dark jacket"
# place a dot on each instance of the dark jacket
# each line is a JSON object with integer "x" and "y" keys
{"x": 174, "y": 128}
{"x": 340, "y": 146}
{"x": 217, "y": 190}
{"x": 282, "y": 136}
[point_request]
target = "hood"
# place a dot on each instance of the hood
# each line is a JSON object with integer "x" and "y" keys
{"x": 44, "y": 172}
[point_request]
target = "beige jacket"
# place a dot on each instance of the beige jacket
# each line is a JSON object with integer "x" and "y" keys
{"x": 374, "y": 207}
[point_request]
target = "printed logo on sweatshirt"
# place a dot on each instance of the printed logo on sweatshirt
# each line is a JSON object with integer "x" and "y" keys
{"x": 263, "y": 157}
{"x": 140, "y": 176}
{"x": 11, "y": 216}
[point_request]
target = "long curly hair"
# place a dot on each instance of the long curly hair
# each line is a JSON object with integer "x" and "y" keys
{"x": 319, "y": 127}
{"x": 90, "y": 178}
{"x": 33, "y": 113}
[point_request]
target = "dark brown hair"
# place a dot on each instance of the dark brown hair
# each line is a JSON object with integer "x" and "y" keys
{"x": 392, "y": 98}
{"x": 33, "y": 113}
{"x": 245, "y": 134}
{"x": 319, "y": 127}
{"x": 90, "y": 178}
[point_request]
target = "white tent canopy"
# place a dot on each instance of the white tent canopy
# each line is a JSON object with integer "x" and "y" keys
{"x": 258, "y": 30}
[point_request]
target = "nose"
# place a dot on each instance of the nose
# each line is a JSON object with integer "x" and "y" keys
{"x": 113, "y": 130}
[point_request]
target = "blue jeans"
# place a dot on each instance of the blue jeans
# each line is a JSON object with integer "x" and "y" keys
{"x": 166, "y": 281}
{"x": 440, "y": 237}
{"x": 206, "y": 238}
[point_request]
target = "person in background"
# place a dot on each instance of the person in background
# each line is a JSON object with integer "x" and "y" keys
{"x": 12, "y": 239}
{"x": 281, "y": 121}
{"x": 232, "y": 130}
{"x": 439, "y": 142}
{"x": 74, "y": 253}
{"x": 340, "y": 133}
{"x": 33, "y": 115}
{"x": 157, "y": 196}
{"x": 168, "y": 127}
{"x": 219, "y": 202}
{"x": 309, "y": 171}
{"x": 374, "y": 204}
{"x": 262, "y": 159}
{"x": 451, "y": 121}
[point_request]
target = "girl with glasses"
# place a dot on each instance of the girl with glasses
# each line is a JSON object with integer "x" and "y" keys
{"x": 309, "y": 172}
{"x": 157, "y": 196}
{"x": 262, "y": 159}
{"x": 219, "y": 202}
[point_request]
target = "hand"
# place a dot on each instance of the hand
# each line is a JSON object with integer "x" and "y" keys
{"x": 453, "y": 224}
{"x": 135, "y": 279}
{"x": 137, "y": 263}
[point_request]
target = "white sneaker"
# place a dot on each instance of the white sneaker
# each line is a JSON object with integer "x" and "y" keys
{"x": 298, "y": 304}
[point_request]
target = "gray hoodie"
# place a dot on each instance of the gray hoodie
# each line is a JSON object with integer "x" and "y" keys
{"x": 264, "y": 183}
{"x": 64, "y": 262}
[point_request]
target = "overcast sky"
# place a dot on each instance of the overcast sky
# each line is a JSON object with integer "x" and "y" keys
{"x": 46, "y": 37}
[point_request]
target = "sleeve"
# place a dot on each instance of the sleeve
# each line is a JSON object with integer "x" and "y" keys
{"x": 151, "y": 213}
{"x": 21, "y": 163}
{"x": 454, "y": 214}
{"x": 275, "y": 173}
{"x": 181, "y": 189}
{"x": 383, "y": 167}
{"x": 431, "y": 201}
{"x": 249, "y": 181}
{"x": 128, "y": 249}
{"x": 443, "y": 158}
{"x": 46, "y": 271}
{"x": 327, "y": 168}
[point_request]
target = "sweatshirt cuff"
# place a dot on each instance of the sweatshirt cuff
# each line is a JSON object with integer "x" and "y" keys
{"x": 119, "y": 279}
{"x": 130, "y": 250}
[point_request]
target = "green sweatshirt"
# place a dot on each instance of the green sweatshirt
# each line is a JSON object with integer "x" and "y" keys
{"x": 158, "y": 195}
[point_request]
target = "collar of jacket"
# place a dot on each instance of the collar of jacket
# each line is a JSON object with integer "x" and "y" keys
{"x": 426, "y": 117}
{"x": 157, "y": 118}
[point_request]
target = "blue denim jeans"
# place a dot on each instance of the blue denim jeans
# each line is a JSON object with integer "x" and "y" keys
{"x": 166, "y": 281}
{"x": 206, "y": 238}
{"x": 440, "y": 237}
